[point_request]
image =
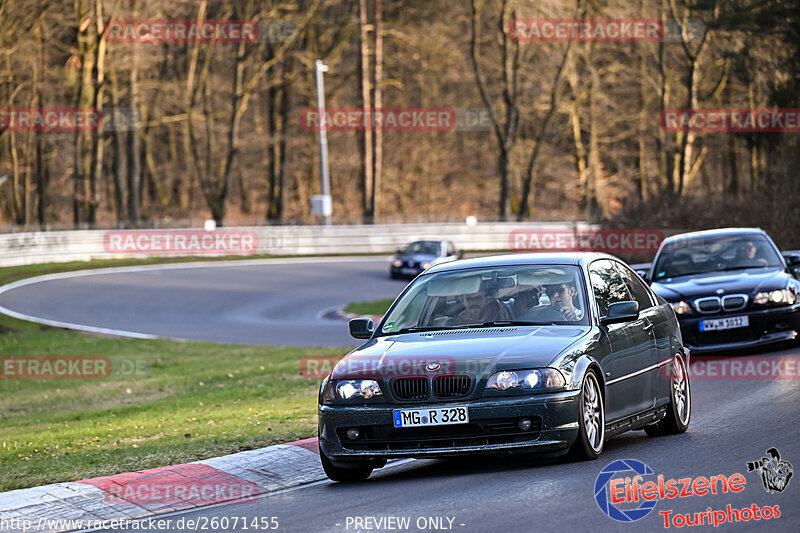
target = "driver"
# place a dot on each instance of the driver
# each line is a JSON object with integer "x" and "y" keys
{"x": 748, "y": 255}
{"x": 562, "y": 298}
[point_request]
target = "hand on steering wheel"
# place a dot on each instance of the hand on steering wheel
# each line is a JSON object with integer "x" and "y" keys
{"x": 569, "y": 313}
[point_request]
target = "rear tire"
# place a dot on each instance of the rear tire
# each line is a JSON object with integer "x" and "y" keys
{"x": 344, "y": 474}
{"x": 591, "y": 421}
{"x": 679, "y": 410}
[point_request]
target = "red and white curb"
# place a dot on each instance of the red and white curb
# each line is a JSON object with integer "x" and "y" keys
{"x": 236, "y": 478}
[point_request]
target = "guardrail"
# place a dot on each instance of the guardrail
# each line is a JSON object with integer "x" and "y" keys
{"x": 85, "y": 245}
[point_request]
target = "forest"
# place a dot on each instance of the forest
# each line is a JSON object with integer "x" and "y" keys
{"x": 542, "y": 110}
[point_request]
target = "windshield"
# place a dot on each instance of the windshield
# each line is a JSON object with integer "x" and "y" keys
{"x": 546, "y": 294}
{"x": 422, "y": 248}
{"x": 715, "y": 253}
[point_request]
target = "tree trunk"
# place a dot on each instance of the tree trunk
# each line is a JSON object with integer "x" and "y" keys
{"x": 506, "y": 134}
{"x": 640, "y": 178}
{"x": 733, "y": 167}
{"x": 378, "y": 147}
{"x": 117, "y": 154}
{"x": 366, "y": 147}
{"x": 134, "y": 151}
{"x": 42, "y": 167}
{"x": 96, "y": 167}
{"x": 233, "y": 126}
{"x": 528, "y": 183}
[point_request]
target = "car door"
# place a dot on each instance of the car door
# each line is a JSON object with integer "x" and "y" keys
{"x": 628, "y": 385}
{"x": 654, "y": 330}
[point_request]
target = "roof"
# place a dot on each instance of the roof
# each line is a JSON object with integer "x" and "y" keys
{"x": 571, "y": 258}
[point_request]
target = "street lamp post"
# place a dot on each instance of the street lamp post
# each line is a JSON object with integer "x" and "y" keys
{"x": 324, "y": 205}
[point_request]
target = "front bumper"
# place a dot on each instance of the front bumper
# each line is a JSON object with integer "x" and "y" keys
{"x": 406, "y": 271}
{"x": 767, "y": 326}
{"x": 492, "y": 428}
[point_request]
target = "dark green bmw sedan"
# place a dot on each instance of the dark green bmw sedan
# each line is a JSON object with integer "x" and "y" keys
{"x": 543, "y": 353}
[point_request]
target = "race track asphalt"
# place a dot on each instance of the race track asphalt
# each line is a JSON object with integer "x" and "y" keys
{"x": 733, "y": 423}
{"x": 272, "y": 302}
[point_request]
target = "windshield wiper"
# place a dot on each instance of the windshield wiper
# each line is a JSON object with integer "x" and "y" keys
{"x": 744, "y": 268}
{"x": 507, "y": 323}
{"x": 492, "y": 323}
{"x": 727, "y": 269}
{"x": 415, "y": 329}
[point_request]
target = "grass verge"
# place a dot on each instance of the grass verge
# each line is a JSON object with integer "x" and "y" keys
{"x": 376, "y": 307}
{"x": 165, "y": 402}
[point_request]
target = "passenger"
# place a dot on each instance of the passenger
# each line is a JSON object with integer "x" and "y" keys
{"x": 525, "y": 300}
{"x": 480, "y": 307}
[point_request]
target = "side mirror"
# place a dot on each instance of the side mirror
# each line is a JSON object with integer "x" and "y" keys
{"x": 400, "y": 251}
{"x": 361, "y": 328}
{"x": 792, "y": 260}
{"x": 621, "y": 312}
{"x": 460, "y": 254}
{"x": 644, "y": 274}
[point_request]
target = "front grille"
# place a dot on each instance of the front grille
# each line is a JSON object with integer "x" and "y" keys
{"x": 497, "y": 431}
{"x": 708, "y": 305}
{"x": 452, "y": 386}
{"x": 734, "y": 302}
{"x": 715, "y": 304}
{"x": 410, "y": 388}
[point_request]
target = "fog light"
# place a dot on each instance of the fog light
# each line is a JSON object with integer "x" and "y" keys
{"x": 353, "y": 433}
{"x": 524, "y": 424}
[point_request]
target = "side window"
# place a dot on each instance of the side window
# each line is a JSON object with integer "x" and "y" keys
{"x": 607, "y": 285}
{"x": 640, "y": 293}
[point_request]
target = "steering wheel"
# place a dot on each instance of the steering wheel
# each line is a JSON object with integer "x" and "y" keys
{"x": 545, "y": 313}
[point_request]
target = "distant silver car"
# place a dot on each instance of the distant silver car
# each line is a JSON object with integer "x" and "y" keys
{"x": 421, "y": 255}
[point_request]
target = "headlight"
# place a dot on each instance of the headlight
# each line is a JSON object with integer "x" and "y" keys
{"x": 397, "y": 263}
{"x": 347, "y": 389}
{"x": 780, "y": 296}
{"x": 426, "y": 266}
{"x": 681, "y": 308}
{"x": 539, "y": 378}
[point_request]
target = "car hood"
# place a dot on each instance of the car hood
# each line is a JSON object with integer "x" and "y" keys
{"x": 478, "y": 351}
{"x": 733, "y": 282}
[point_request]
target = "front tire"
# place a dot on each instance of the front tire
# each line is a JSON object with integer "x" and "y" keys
{"x": 679, "y": 411}
{"x": 591, "y": 422}
{"x": 344, "y": 474}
